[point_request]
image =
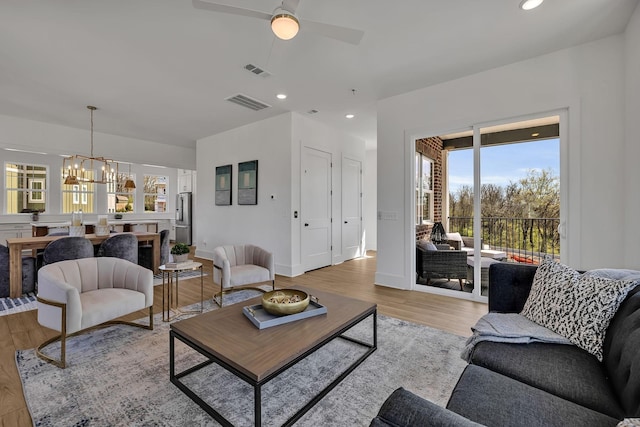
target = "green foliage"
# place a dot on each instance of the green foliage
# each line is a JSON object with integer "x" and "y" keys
{"x": 180, "y": 249}
{"x": 520, "y": 215}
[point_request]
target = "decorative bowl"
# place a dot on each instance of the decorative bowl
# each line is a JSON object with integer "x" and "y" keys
{"x": 285, "y": 301}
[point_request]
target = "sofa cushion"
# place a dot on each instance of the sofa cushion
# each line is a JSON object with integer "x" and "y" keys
{"x": 403, "y": 408}
{"x": 426, "y": 245}
{"x": 621, "y": 353}
{"x": 489, "y": 398}
{"x": 563, "y": 370}
{"x": 573, "y": 305}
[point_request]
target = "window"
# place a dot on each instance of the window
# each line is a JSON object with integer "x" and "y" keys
{"x": 424, "y": 189}
{"x": 79, "y": 197}
{"x": 155, "y": 193}
{"x": 119, "y": 199}
{"x": 26, "y": 187}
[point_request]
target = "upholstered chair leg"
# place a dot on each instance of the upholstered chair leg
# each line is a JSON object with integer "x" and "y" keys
{"x": 61, "y": 363}
{"x": 273, "y": 284}
{"x": 461, "y": 288}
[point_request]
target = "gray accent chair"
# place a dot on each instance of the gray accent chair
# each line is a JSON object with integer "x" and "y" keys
{"x": 145, "y": 252}
{"x": 66, "y": 248}
{"x": 441, "y": 264}
{"x": 28, "y": 273}
{"x": 237, "y": 266}
{"x": 120, "y": 245}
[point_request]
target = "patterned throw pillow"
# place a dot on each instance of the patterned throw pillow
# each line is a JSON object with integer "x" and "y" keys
{"x": 576, "y": 306}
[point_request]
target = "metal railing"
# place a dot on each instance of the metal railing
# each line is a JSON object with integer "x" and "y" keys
{"x": 523, "y": 239}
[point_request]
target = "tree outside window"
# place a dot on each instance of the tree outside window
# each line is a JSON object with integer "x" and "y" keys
{"x": 25, "y": 187}
{"x": 119, "y": 199}
{"x": 155, "y": 193}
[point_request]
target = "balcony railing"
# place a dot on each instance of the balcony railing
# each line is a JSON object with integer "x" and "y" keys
{"x": 523, "y": 239}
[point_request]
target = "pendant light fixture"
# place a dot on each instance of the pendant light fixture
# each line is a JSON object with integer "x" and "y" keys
{"x": 79, "y": 168}
{"x": 129, "y": 184}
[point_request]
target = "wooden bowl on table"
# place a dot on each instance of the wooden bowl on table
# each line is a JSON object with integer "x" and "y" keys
{"x": 285, "y": 301}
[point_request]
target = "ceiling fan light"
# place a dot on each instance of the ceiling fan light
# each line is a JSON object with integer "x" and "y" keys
{"x": 530, "y": 4}
{"x": 284, "y": 25}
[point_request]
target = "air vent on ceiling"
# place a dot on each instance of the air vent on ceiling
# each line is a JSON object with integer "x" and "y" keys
{"x": 257, "y": 70}
{"x": 248, "y": 102}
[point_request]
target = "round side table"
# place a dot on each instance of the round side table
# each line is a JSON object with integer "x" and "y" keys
{"x": 170, "y": 277}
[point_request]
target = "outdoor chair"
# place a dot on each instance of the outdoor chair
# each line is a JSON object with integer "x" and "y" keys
{"x": 441, "y": 264}
{"x": 240, "y": 265}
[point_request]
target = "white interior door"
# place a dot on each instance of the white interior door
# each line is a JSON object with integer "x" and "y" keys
{"x": 351, "y": 208}
{"x": 316, "y": 209}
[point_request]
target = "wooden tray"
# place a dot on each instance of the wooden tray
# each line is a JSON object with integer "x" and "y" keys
{"x": 261, "y": 319}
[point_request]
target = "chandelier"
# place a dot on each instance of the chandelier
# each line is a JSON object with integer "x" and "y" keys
{"x": 79, "y": 168}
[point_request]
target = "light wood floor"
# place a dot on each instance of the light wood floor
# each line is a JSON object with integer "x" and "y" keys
{"x": 353, "y": 278}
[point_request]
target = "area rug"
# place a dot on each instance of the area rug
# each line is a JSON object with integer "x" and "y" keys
{"x": 119, "y": 376}
{"x": 15, "y": 305}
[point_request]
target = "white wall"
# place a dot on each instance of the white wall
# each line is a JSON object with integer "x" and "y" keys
{"x": 632, "y": 147}
{"x": 265, "y": 224}
{"x": 371, "y": 200}
{"x": 588, "y": 80}
{"x": 276, "y": 144}
{"x": 54, "y": 140}
{"x": 310, "y": 133}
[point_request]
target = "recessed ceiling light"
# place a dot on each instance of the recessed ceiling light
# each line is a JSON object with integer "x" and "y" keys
{"x": 530, "y": 4}
{"x": 535, "y": 134}
{"x": 349, "y": 116}
{"x": 281, "y": 96}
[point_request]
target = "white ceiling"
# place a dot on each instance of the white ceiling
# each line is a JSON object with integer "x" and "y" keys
{"x": 161, "y": 69}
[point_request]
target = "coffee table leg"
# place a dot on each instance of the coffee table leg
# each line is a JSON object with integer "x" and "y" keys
{"x": 257, "y": 405}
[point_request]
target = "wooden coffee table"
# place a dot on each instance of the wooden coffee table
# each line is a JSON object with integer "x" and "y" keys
{"x": 228, "y": 338}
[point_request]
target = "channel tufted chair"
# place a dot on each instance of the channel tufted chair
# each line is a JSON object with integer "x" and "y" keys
{"x": 240, "y": 265}
{"x": 78, "y": 295}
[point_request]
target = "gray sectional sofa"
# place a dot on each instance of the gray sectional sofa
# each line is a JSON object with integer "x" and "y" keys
{"x": 537, "y": 384}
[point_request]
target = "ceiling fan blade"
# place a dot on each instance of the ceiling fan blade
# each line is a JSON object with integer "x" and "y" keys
{"x": 344, "y": 34}
{"x": 290, "y": 5}
{"x": 217, "y": 7}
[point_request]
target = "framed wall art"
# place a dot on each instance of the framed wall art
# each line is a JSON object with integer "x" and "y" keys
{"x": 248, "y": 183}
{"x": 223, "y": 185}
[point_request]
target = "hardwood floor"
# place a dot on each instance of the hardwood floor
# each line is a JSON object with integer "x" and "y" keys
{"x": 353, "y": 278}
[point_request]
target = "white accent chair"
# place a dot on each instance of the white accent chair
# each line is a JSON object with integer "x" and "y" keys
{"x": 236, "y": 266}
{"x": 82, "y": 294}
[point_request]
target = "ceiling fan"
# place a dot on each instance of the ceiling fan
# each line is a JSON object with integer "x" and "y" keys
{"x": 284, "y": 22}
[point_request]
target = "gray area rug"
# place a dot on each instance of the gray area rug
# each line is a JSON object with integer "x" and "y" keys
{"x": 119, "y": 376}
{"x": 15, "y": 305}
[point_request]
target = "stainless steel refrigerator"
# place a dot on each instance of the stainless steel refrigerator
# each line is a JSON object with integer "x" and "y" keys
{"x": 183, "y": 218}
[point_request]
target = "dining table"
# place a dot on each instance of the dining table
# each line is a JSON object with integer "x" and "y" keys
{"x": 18, "y": 244}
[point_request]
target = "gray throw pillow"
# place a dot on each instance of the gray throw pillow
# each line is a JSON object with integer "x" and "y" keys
{"x": 426, "y": 245}
{"x": 576, "y": 306}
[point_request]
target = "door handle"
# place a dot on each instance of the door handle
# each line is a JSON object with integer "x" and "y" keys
{"x": 346, "y": 222}
{"x": 306, "y": 224}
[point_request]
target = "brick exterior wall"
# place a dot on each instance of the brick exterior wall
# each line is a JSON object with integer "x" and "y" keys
{"x": 432, "y": 148}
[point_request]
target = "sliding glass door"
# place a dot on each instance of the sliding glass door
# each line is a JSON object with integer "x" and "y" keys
{"x": 499, "y": 202}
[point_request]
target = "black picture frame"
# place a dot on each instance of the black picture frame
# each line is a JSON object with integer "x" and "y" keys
{"x": 248, "y": 183}
{"x": 224, "y": 176}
